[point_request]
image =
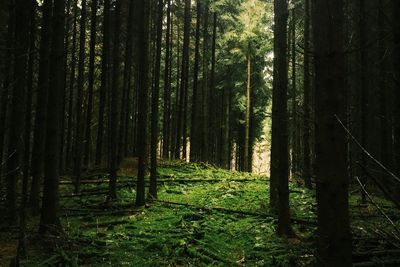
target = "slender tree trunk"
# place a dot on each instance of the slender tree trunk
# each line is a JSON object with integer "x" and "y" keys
{"x": 280, "y": 152}
{"x": 307, "y": 97}
{"x": 247, "y": 115}
{"x": 49, "y": 221}
{"x": 15, "y": 143}
{"x": 334, "y": 236}
{"x": 89, "y": 111}
{"x": 194, "y": 134}
{"x": 124, "y": 113}
{"x": 294, "y": 130}
{"x": 64, "y": 93}
{"x": 204, "y": 94}
{"x": 155, "y": 103}
{"x": 167, "y": 86}
{"x": 41, "y": 110}
{"x": 8, "y": 61}
{"x": 68, "y": 144}
{"x": 212, "y": 99}
{"x": 79, "y": 100}
{"x": 143, "y": 66}
{"x": 396, "y": 56}
{"x": 115, "y": 88}
{"x": 104, "y": 81}
{"x": 27, "y": 131}
{"x": 180, "y": 141}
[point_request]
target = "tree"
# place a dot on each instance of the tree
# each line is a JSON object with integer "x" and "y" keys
{"x": 15, "y": 139}
{"x": 167, "y": 86}
{"x": 307, "y": 97}
{"x": 183, "y": 94}
{"x": 115, "y": 87}
{"x": 334, "y": 236}
{"x": 104, "y": 81}
{"x": 194, "y": 133}
{"x": 79, "y": 99}
{"x": 279, "y": 149}
{"x": 49, "y": 220}
{"x": 39, "y": 134}
{"x": 143, "y": 66}
{"x": 89, "y": 110}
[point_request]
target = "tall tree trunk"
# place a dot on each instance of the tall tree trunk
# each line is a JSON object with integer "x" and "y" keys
{"x": 180, "y": 141}
{"x": 334, "y": 236}
{"x": 204, "y": 92}
{"x": 307, "y": 99}
{"x": 15, "y": 145}
{"x": 68, "y": 144}
{"x": 27, "y": 131}
{"x": 155, "y": 103}
{"x": 79, "y": 100}
{"x": 49, "y": 220}
{"x": 64, "y": 93}
{"x": 247, "y": 114}
{"x": 167, "y": 86}
{"x": 143, "y": 66}
{"x": 194, "y": 134}
{"x": 8, "y": 59}
{"x": 115, "y": 88}
{"x": 124, "y": 112}
{"x": 294, "y": 130}
{"x": 41, "y": 111}
{"x": 279, "y": 150}
{"x": 89, "y": 110}
{"x": 212, "y": 99}
{"x": 104, "y": 81}
{"x": 396, "y": 72}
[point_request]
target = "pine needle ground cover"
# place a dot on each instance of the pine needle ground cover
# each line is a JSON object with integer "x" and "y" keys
{"x": 204, "y": 216}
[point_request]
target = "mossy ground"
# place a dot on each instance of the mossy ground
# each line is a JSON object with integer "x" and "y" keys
{"x": 204, "y": 217}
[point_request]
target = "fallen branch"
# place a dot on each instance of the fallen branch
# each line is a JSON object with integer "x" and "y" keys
{"x": 377, "y": 206}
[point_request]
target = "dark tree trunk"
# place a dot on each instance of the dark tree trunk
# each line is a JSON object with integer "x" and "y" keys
{"x": 104, "y": 81}
{"x": 143, "y": 66}
{"x": 167, "y": 86}
{"x": 204, "y": 92}
{"x": 115, "y": 88}
{"x": 122, "y": 140}
{"x": 8, "y": 61}
{"x": 27, "y": 132}
{"x": 334, "y": 236}
{"x": 68, "y": 144}
{"x": 64, "y": 93}
{"x": 155, "y": 103}
{"x": 194, "y": 134}
{"x": 213, "y": 93}
{"x": 89, "y": 111}
{"x": 279, "y": 150}
{"x": 15, "y": 145}
{"x": 181, "y": 123}
{"x": 49, "y": 221}
{"x": 307, "y": 97}
{"x": 79, "y": 100}
{"x": 396, "y": 56}
{"x": 39, "y": 134}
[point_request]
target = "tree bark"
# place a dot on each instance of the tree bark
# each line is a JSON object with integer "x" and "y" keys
{"x": 155, "y": 103}
{"x": 15, "y": 143}
{"x": 89, "y": 111}
{"x": 334, "y": 236}
{"x": 279, "y": 149}
{"x": 143, "y": 67}
{"x": 79, "y": 100}
{"x": 104, "y": 81}
{"x": 49, "y": 220}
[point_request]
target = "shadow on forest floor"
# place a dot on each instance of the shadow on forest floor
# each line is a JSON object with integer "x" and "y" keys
{"x": 204, "y": 216}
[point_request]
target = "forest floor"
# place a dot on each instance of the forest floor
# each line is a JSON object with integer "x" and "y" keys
{"x": 204, "y": 216}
